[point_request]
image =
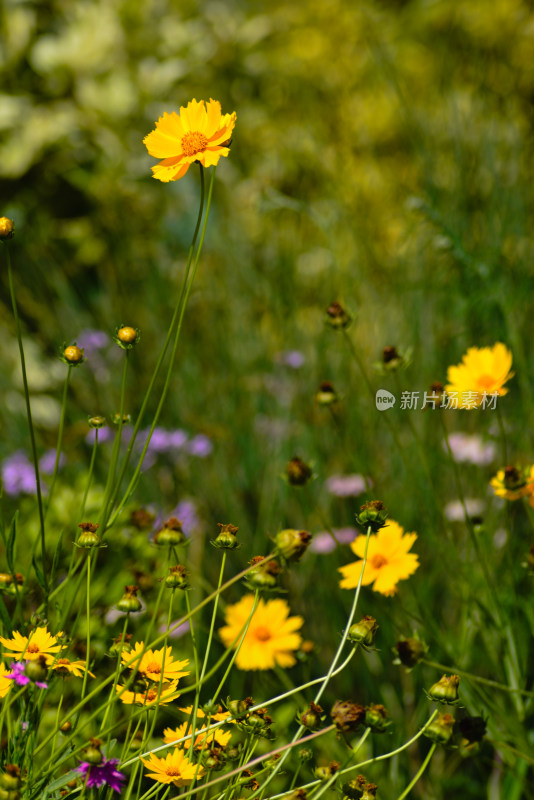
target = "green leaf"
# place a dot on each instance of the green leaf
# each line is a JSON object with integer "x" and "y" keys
{"x": 10, "y": 547}
{"x": 39, "y": 573}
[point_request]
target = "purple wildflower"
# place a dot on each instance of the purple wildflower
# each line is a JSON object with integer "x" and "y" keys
{"x": 48, "y": 460}
{"x": 93, "y": 340}
{"x": 100, "y": 774}
{"x": 324, "y": 543}
{"x": 18, "y": 474}
{"x": 186, "y": 512}
{"x": 346, "y": 485}
{"x": 471, "y": 449}
{"x": 200, "y": 446}
{"x": 19, "y": 675}
{"x": 291, "y": 358}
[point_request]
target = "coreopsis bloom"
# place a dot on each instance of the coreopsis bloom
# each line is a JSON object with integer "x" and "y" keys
{"x": 482, "y": 373}
{"x": 152, "y": 663}
{"x": 208, "y": 738}
{"x": 149, "y": 696}
{"x": 388, "y": 559}
{"x": 66, "y": 667}
{"x": 174, "y": 768}
{"x": 39, "y": 642}
{"x": 200, "y": 132}
{"x": 217, "y": 717}
{"x": 513, "y": 483}
{"x": 271, "y": 636}
{"x": 5, "y": 680}
{"x": 102, "y": 774}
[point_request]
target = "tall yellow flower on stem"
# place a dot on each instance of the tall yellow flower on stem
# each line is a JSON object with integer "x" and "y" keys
{"x": 174, "y": 768}
{"x": 388, "y": 559}
{"x": 216, "y": 736}
{"x": 200, "y": 132}
{"x": 271, "y": 635}
{"x": 39, "y": 642}
{"x": 152, "y": 663}
{"x": 482, "y": 373}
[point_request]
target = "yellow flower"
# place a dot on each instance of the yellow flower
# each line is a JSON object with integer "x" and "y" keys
{"x": 216, "y": 736}
{"x": 198, "y": 133}
{"x": 174, "y": 768}
{"x": 65, "y": 667}
{"x": 39, "y": 642}
{"x": 149, "y": 696}
{"x": 512, "y": 483}
{"x": 151, "y": 664}
{"x": 270, "y": 637}
{"x": 5, "y": 682}
{"x": 218, "y": 717}
{"x": 483, "y": 372}
{"x": 388, "y": 559}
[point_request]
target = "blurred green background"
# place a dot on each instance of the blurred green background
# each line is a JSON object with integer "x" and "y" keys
{"x": 382, "y": 157}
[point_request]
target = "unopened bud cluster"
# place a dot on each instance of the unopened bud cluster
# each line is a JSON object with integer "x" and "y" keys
{"x": 129, "y": 602}
{"x": 170, "y": 534}
{"x": 89, "y": 537}
{"x": 337, "y": 317}
{"x": 177, "y": 578}
{"x": 445, "y": 690}
{"x": 127, "y": 337}
{"x": 263, "y": 575}
{"x": 226, "y": 539}
{"x": 363, "y": 632}
{"x": 292, "y": 544}
{"x": 372, "y": 515}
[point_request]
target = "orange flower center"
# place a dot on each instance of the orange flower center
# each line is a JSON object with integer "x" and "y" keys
{"x": 193, "y": 142}
{"x": 153, "y": 667}
{"x": 33, "y": 648}
{"x": 173, "y": 772}
{"x": 151, "y": 695}
{"x": 378, "y": 561}
{"x": 486, "y": 382}
{"x": 262, "y": 633}
{"x": 61, "y": 661}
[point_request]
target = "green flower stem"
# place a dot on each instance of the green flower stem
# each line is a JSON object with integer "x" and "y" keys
{"x": 210, "y": 638}
{"x": 90, "y": 474}
{"x": 255, "y": 761}
{"x": 237, "y": 649}
{"x": 163, "y": 352}
{"x": 419, "y": 772}
{"x": 328, "y": 676}
{"x": 113, "y": 695}
{"x": 116, "y": 449}
{"x": 30, "y": 422}
{"x": 135, "y": 476}
{"x": 60, "y": 703}
{"x": 324, "y": 788}
{"x": 88, "y": 622}
{"x": 502, "y": 432}
{"x": 486, "y": 681}
{"x": 369, "y": 761}
{"x": 154, "y": 643}
{"x": 59, "y": 438}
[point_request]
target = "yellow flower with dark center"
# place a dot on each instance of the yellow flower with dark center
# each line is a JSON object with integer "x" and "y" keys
{"x": 271, "y": 636}
{"x": 482, "y": 373}
{"x": 174, "y": 768}
{"x": 513, "y": 483}
{"x": 207, "y": 739}
{"x": 149, "y": 695}
{"x": 388, "y": 559}
{"x": 153, "y": 663}
{"x": 39, "y": 642}
{"x": 66, "y": 667}
{"x": 5, "y": 682}
{"x": 200, "y": 132}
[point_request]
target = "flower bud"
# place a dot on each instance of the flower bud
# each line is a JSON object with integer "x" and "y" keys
{"x": 141, "y": 519}
{"x": 171, "y": 534}
{"x": 369, "y": 791}
{"x": 226, "y": 539}
{"x": 66, "y": 727}
{"x": 440, "y": 729}
{"x": 292, "y": 544}
{"x": 305, "y": 754}
{"x": 337, "y": 317}
{"x": 96, "y": 422}
{"x": 410, "y": 652}
{"x": 376, "y": 718}
{"x": 363, "y": 632}
{"x": 73, "y": 355}
{"x": 127, "y": 337}
{"x": 297, "y": 794}
{"x": 116, "y": 418}
{"x": 327, "y": 771}
{"x": 326, "y": 394}
{"x": 120, "y": 646}
{"x": 264, "y": 576}
{"x": 89, "y": 537}
{"x": 10, "y": 778}
{"x": 7, "y": 229}
{"x": 92, "y": 752}
{"x": 239, "y": 708}
{"x": 347, "y": 716}
{"x": 177, "y": 578}
{"x": 372, "y": 514}
{"x": 391, "y": 359}
{"x": 129, "y": 602}
{"x": 445, "y": 690}
{"x": 354, "y": 789}
{"x": 312, "y": 718}
{"x": 36, "y": 669}
{"x": 298, "y": 472}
